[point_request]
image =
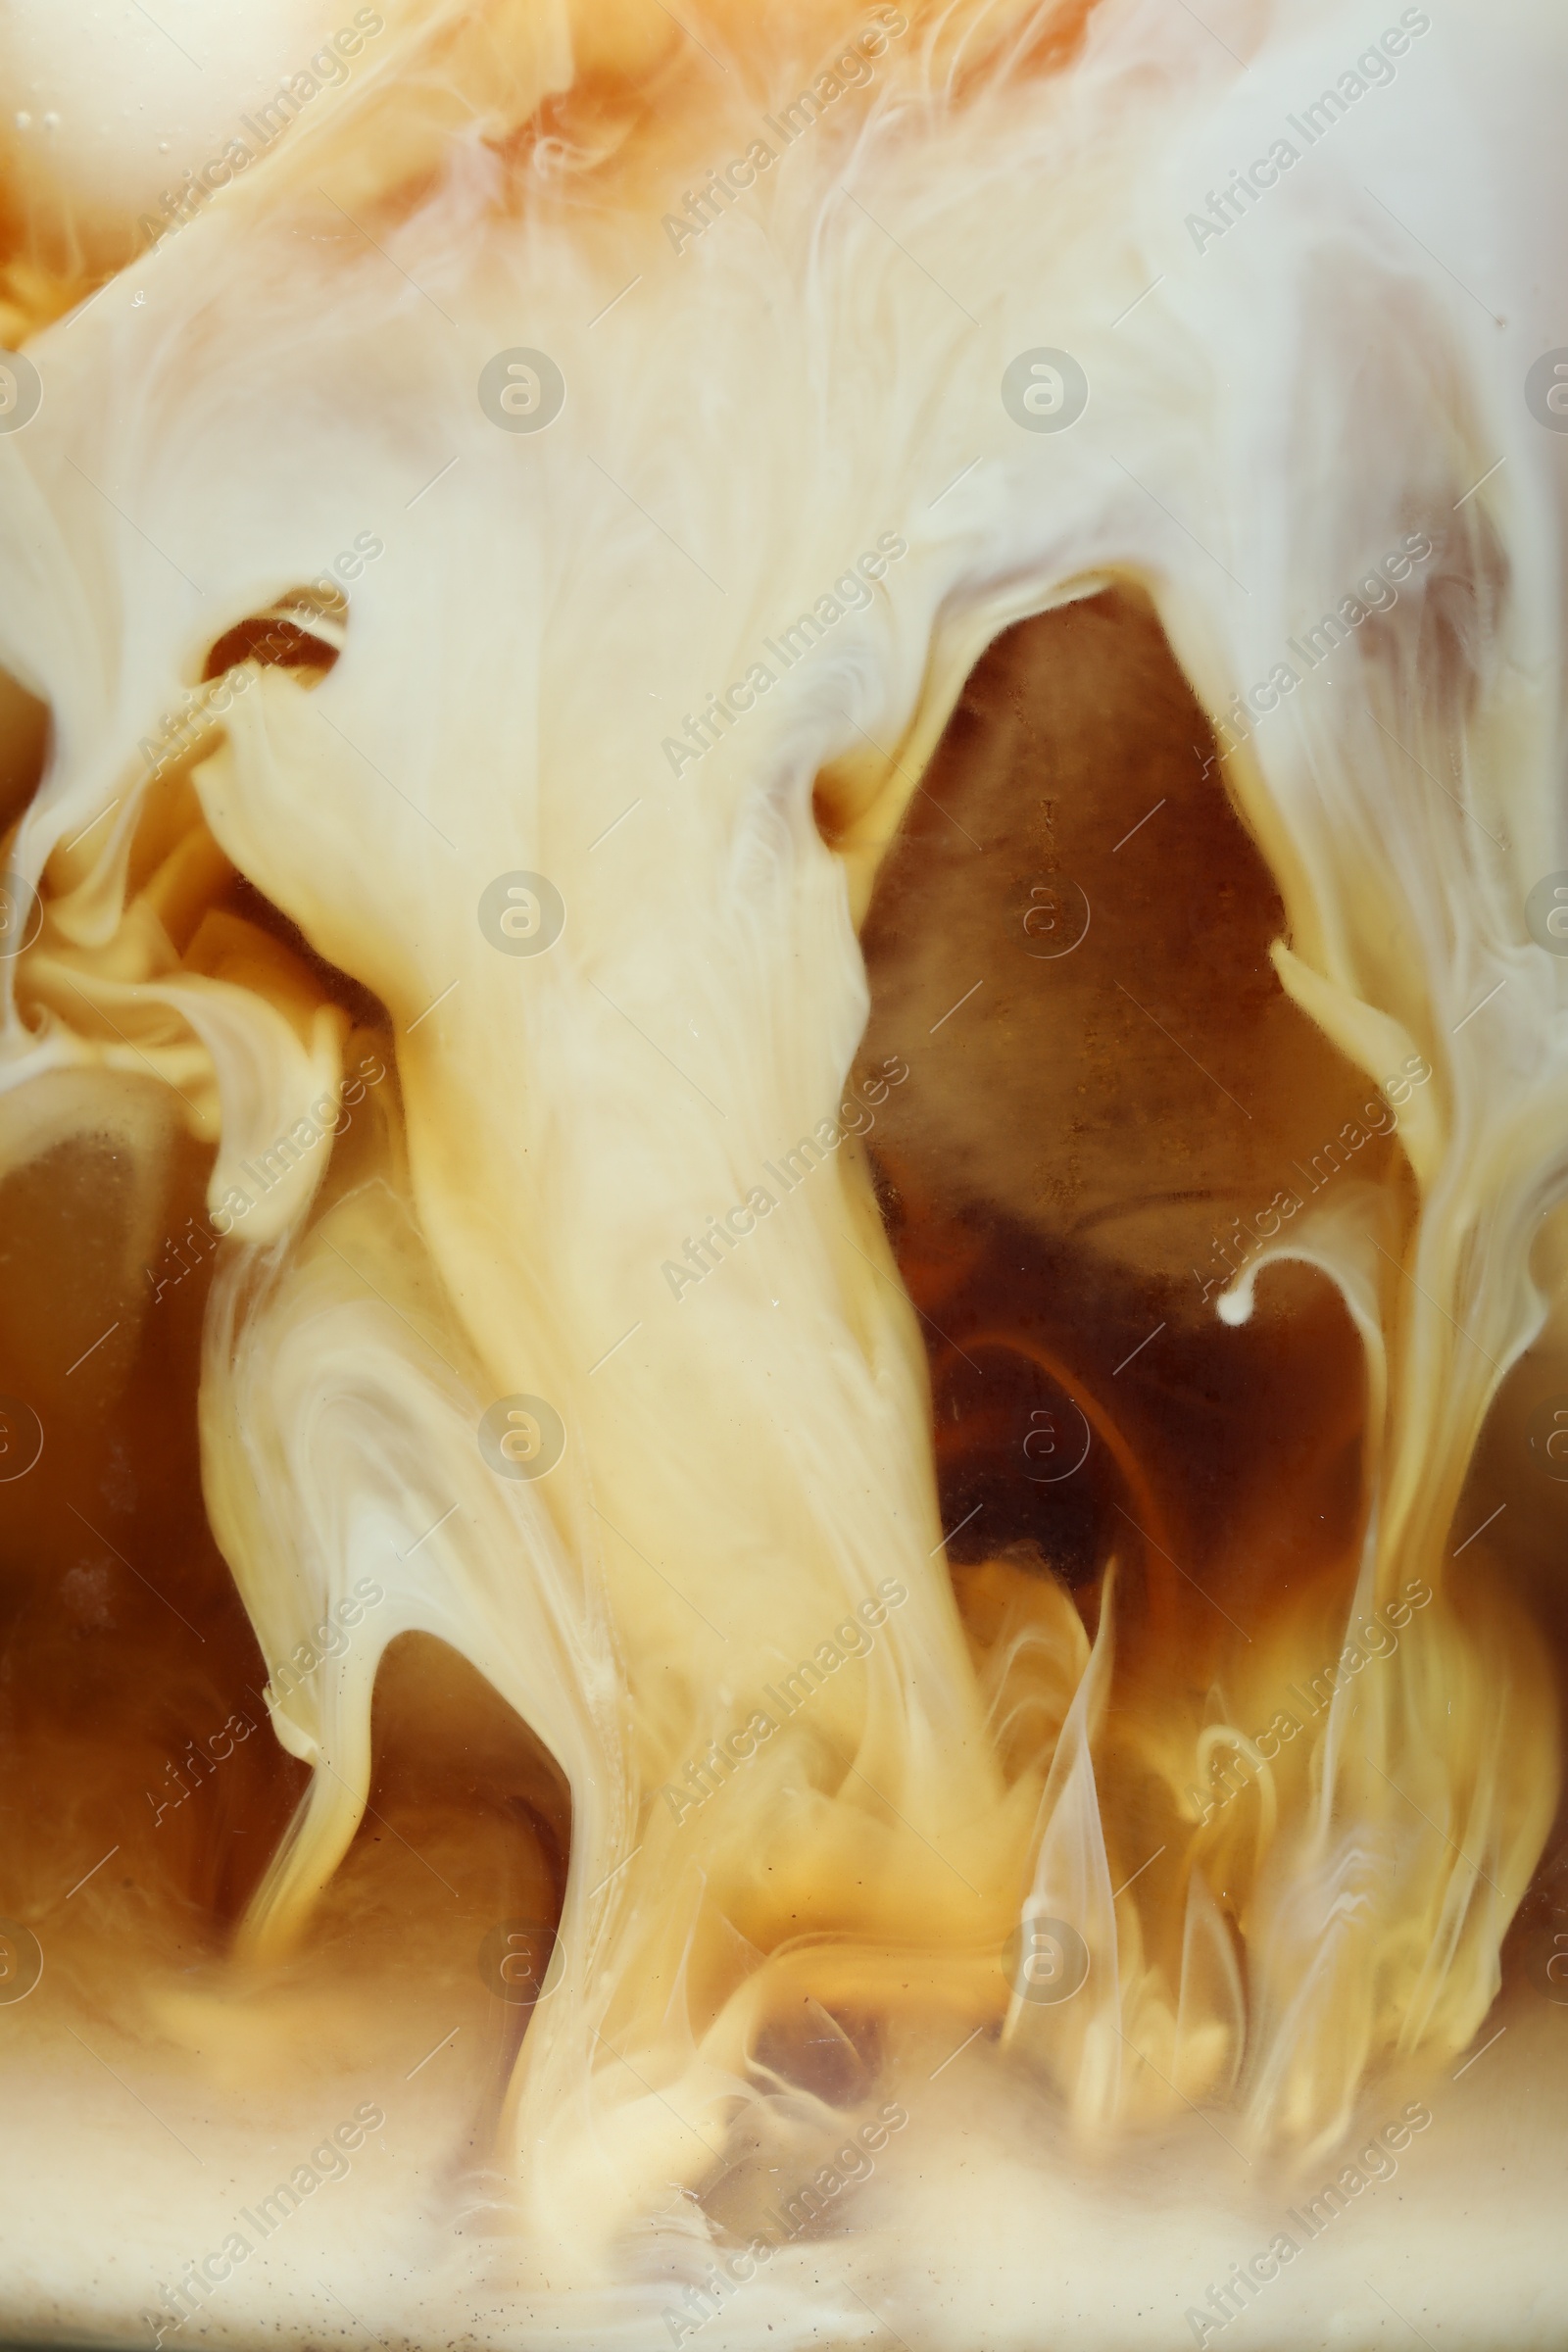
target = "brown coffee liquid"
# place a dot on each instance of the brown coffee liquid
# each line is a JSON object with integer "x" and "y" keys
{"x": 1109, "y": 1094}
{"x": 147, "y": 1793}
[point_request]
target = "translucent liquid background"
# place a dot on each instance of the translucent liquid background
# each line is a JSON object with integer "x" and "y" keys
{"x": 785, "y": 1098}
